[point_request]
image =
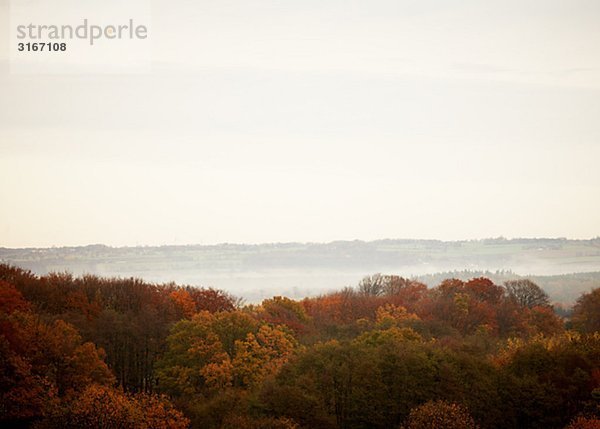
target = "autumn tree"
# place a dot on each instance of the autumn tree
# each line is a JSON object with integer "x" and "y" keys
{"x": 375, "y": 380}
{"x": 107, "y": 408}
{"x": 582, "y": 422}
{"x": 390, "y": 315}
{"x": 249, "y": 422}
{"x": 99, "y": 407}
{"x": 541, "y": 320}
{"x": 261, "y": 354}
{"x": 42, "y": 364}
{"x": 212, "y": 359}
{"x": 586, "y": 313}
{"x": 465, "y": 306}
{"x": 212, "y": 300}
{"x": 184, "y": 302}
{"x": 284, "y": 311}
{"x": 483, "y": 289}
{"x": 11, "y": 299}
{"x": 401, "y": 291}
{"x": 546, "y": 381}
{"x": 439, "y": 414}
{"x": 127, "y": 317}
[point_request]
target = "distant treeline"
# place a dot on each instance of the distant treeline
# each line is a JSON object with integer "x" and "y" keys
{"x": 387, "y": 353}
{"x": 562, "y": 289}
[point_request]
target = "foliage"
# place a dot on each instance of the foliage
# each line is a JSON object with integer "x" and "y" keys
{"x": 128, "y": 318}
{"x": 584, "y": 423}
{"x": 247, "y": 422}
{"x": 92, "y": 352}
{"x": 586, "y": 313}
{"x": 547, "y": 380}
{"x": 439, "y": 414}
{"x": 106, "y": 408}
{"x": 42, "y": 364}
{"x": 284, "y": 311}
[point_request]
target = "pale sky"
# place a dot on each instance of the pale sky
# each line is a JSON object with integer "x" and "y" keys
{"x": 266, "y": 121}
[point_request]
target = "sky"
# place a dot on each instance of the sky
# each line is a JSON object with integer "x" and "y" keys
{"x": 273, "y": 121}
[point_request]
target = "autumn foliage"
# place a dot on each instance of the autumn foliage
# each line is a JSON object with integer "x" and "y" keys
{"x": 439, "y": 414}
{"x": 91, "y": 352}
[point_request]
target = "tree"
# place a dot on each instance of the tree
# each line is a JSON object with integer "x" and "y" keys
{"x": 439, "y": 414}
{"x": 526, "y": 293}
{"x": 483, "y": 289}
{"x": 213, "y": 300}
{"x": 184, "y": 301}
{"x": 542, "y": 320}
{"x": 157, "y": 412}
{"x": 584, "y": 423}
{"x": 43, "y": 365}
{"x": 99, "y": 407}
{"x": 392, "y": 315}
{"x": 191, "y": 346}
{"x": 247, "y": 422}
{"x": 11, "y": 299}
{"x": 107, "y": 408}
{"x": 284, "y": 311}
{"x": 586, "y": 313}
{"x": 216, "y": 351}
{"x": 374, "y": 381}
{"x": 261, "y": 355}
{"x": 546, "y": 381}
{"x": 372, "y": 285}
{"x": 407, "y": 293}
{"x": 467, "y": 307}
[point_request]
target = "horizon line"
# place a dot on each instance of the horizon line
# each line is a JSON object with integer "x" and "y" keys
{"x": 267, "y": 243}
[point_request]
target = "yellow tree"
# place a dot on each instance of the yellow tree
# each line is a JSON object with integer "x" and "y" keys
{"x": 262, "y": 354}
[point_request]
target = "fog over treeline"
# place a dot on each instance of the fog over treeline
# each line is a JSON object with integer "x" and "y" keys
{"x": 256, "y": 271}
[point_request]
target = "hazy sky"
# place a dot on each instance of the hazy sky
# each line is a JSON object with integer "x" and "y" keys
{"x": 316, "y": 120}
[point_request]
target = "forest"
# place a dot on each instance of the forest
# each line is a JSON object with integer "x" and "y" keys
{"x": 95, "y": 352}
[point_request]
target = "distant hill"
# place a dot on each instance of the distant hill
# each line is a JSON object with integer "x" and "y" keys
{"x": 298, "y": 269}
